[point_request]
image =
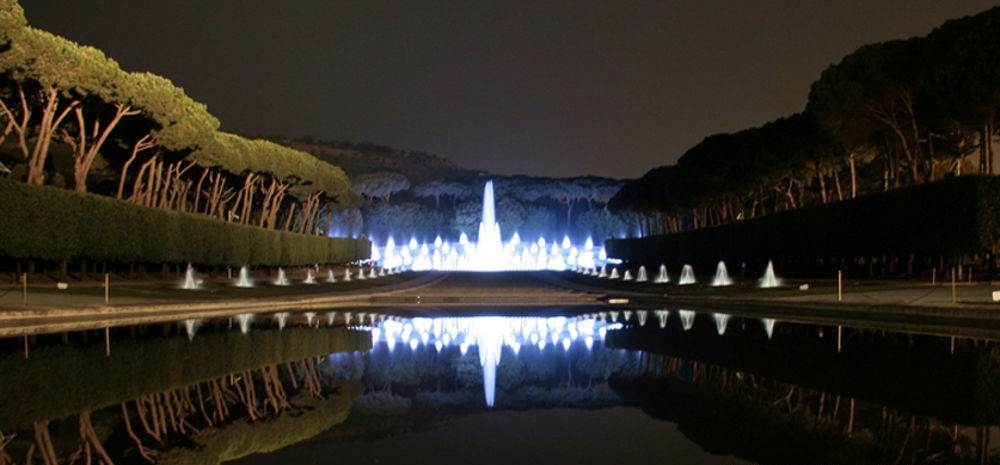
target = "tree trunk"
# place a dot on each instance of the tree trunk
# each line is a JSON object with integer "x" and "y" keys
{"x": 84, "y": 155}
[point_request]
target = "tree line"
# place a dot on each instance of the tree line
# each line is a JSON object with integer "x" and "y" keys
{"x": 888, "y": 115}
{"x": 72, "y": 118}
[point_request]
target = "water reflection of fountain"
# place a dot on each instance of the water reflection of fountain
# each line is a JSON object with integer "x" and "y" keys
{"x": 663, "y": 315}
{"x": 687, "y": 318}
{"x": 281, "y": 318}
{"x": 721, "y": 320}
{"x": 721, "y": 275}
{"x": 490, "y": 335}
{"x": 769, "y": 280}
{"x": 768, "y": 326}
{"x": 190, "y": 326}
{"x": 687, "y": 276}
{"x": 190, "y": 280}
{"x": 244, "y": 320}
{"x": 243, "y": 280}
{"x": 310, "y": 316}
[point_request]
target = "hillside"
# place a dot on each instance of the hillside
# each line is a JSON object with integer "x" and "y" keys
{"x": 366, "y": 157}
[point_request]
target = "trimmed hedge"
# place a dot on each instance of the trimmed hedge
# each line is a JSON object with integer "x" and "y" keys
{"x": 957, "y": 216}
{"x": 47, "y": 223}
{"x": 60, "y": 381}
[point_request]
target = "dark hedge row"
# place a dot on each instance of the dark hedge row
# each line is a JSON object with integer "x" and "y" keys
{"x": 957, "y": 216}
{"x": 60, "y": 381}
{"x": 38, "y": 222}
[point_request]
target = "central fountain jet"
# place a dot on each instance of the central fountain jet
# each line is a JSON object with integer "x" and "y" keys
{"x": 489, "y": 247}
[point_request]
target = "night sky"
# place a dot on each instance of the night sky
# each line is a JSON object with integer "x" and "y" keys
{"x": 546, "y": 88}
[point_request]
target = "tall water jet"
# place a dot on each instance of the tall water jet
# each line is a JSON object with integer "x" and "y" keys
{"x": 721, "y": 275}
{"x": 662, "y": 277}
{"x": 244, "y": 320}
{"x": 687, "y": 319}
{"x": 769, "y": 280}
{"x": 489, "y": 247}
{"x": 281, "y": 280}
{"x": 372, "y": 274}
{"x": 721, "y": 320}
{"x": 768, "y": 326}
{"x": 687, "y": 276}
{"x": 641, "y": 276}
{"x": 243, "y": 279}
{"x": 310, "y": 279}
{"x": 190, "y": 281}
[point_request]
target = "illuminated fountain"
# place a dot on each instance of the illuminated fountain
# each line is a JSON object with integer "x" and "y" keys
{"x": 489, "y": 252}
{"x": 769, "y": 280}
{"x": 641, "y": 276}
{"x": 687, "y": 276}
{"x": 330, "y": 278}
{"x": 721, "y": 275}
{"x": 310, "y": 279}
{"x": 190, "y": 280}
{"x": 662, "y": 277}
{"x": 721, "y": 320}
{"x": 281, "y": 280}
{"x": 243, "y": 279}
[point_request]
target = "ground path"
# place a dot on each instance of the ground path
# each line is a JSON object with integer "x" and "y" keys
{"x": 906, "y": 306}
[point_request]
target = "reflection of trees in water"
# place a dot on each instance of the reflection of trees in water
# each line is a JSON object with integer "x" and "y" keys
{"x": 884, "y": 398}
{"x": 191, "y": 415}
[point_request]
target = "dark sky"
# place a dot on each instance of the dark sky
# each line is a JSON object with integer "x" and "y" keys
{"x": 539, "y": 87}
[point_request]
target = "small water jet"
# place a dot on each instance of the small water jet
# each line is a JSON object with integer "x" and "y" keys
{"x": 641, "y": 276}
{"x": 603, "y": 273}
{"x": 721, "y": 275}
{"x": 769, "y": 280}
{"x": 310, "y": 279}
{"x": 243, "y": 279}
{"x": 347, "y": 274}
{"x": 721, "y": 320}
{"x": 190, "y": 280}
{"x": 627, "y": 276}
{"x": 330, "y": 278}
{"x": 614, "y": 274}
{"x": 244, "y": 320}
{"x": 687, "y": 276}
{"x": 282, "y": 280}
{"x": 662, "y": 277}
{"x": 687, "y": 319}
{"x": 361, "y": 274}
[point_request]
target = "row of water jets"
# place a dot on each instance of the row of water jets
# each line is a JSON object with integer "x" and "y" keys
{"x": 687, "y": 275}
{"x": 312, "y": 319}
{"x": 192, "y": 282}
